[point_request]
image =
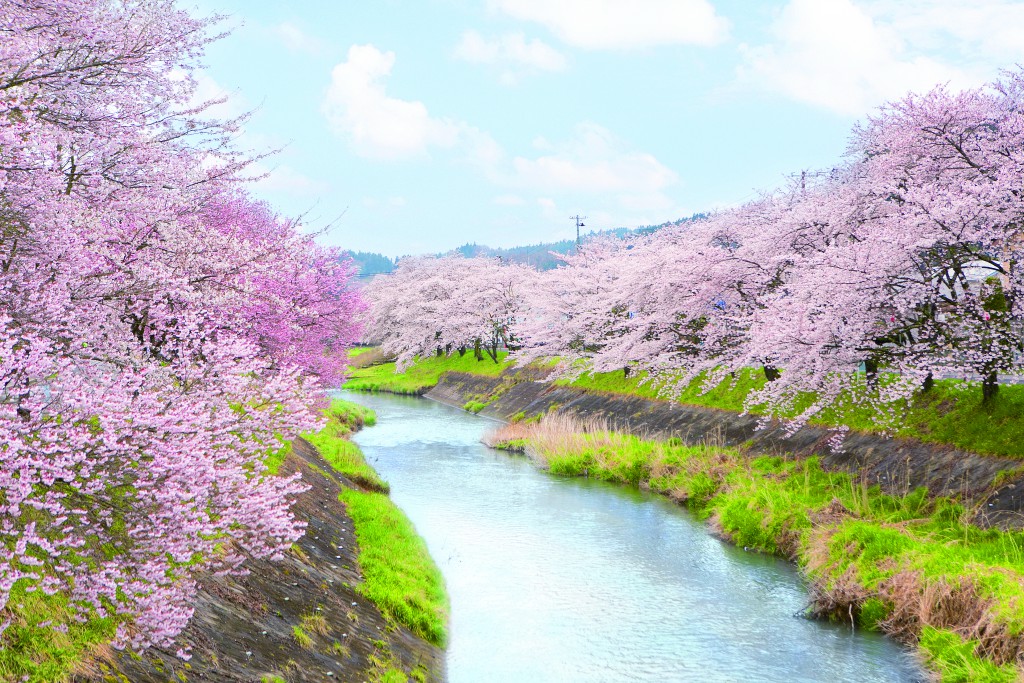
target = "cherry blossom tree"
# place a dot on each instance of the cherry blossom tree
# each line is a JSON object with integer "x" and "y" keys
{"x": 445, "y": 304}
{"x": 902, "y": 262}
{"x": 160, "y": 332}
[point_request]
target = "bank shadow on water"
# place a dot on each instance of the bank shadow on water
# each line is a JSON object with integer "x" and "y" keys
{"x": 556, "y": 579}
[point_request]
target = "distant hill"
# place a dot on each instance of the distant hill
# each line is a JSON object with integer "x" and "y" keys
{"x": 541, "y": 256}
{"x": 368, "y": 263}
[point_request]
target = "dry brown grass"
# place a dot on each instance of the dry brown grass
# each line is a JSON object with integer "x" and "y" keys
{"x": 95, "y": 663}
{"x": 558, "y": 435}
{"x": 915, "y": 602}
{"x": 315, "y": 623}
{"x": 563, "y": 434}
{"x": 512, "y": 431}
{"x": 372, "y": 357}
{"x": 840, "y": 599}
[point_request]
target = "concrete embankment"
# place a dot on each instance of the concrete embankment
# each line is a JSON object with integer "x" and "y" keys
{"x": 299, "y": 619}
{"x": 994, "y": 485}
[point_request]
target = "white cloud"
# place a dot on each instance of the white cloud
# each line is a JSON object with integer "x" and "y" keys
{"x": 551, "y": 213}
{"x": 378, "y": 126}
{"x": 593, "y": 168}
{"x": 849, "y": 57}
{"x": 622, "y": 24}
{"x": 288, "y": 180}
{"x": 512, "y": 52}
{"x": 297, "y": 40}
{"x": 594, "y": 161}
{"x": 981, "y": 30}
{"x": 540, "y": 142}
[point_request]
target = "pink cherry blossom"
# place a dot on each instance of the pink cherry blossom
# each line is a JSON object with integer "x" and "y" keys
{"x": 160, "y": 331}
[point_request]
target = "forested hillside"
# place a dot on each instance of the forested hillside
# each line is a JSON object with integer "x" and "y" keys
{"x": 542, "y": 256}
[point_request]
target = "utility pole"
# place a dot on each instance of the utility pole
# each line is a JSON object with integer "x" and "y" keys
{"x": 579, "y": 224}
{"x": 805, "y": 175}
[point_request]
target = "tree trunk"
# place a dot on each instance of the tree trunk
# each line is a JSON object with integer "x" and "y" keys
{"x": 440, "y": 351}
{"x": 871, "y": 372}
{"x": 771, "y": 373}
{"x": 928, "y": 384}
{"x": 625, "y": 371}
{"x": 477, "y": 351}
{"x": 990, "y": 387}
{"x": 462, "y": 351}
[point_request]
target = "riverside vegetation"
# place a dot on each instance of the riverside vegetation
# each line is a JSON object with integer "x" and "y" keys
{"x": 399, "y": 575}
{"x": 911, "y": 565}
{"x": 418, "y": 378}
{"x": 951, "y": 412}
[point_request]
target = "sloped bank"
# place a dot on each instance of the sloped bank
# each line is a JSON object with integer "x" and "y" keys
{"x": 993, "y": 485}
{"x": 299, "y": 619}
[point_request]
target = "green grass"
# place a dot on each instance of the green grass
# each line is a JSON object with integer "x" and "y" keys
{"x": 276, "y": 457}
{"x": 351, "y": 416}
{"x": 32, "y": 650}
{"x": 301, "y": 637}
{"x": 956, "y": 662}
{"x": 891, "y": 556}
{"x": 400, "y": 577}
{"x": 951, "y": 413}
{"x": 343, "y": 417}
{"x": 727, "y": 395}
{"x": 422, "y": 375}
{"x": 474, "y": 406}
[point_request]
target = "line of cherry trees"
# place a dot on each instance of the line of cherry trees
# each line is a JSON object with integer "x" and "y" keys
{"x": 903, "y": 262}
{"x": 160, "y": 331}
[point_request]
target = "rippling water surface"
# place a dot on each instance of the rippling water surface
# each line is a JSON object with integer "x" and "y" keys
{"x": 573, "y": 580}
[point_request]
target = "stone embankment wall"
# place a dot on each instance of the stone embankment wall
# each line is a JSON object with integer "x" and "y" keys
{"x": 242, "y": 629}
{"x": 994, "y": 486}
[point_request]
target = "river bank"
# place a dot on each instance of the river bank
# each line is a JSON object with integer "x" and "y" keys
{"x": 993, "y": 485}
{"x": 315, "y": 615}
{"x": 877, "y": 549}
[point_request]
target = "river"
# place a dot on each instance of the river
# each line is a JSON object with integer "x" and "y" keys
{"x": 566, "y": 580}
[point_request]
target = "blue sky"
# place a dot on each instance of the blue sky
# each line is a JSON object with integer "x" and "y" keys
{"x": 411, "y": 127}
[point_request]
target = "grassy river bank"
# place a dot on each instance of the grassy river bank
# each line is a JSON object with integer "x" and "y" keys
{"x": 909, "y": 564}
{"x": 356, "y": 598}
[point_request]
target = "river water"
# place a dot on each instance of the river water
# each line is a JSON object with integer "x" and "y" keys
{"x": 563, "y": 580}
